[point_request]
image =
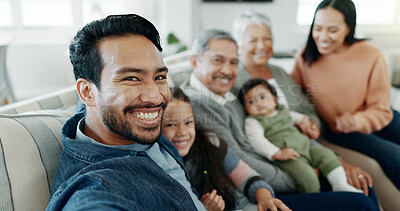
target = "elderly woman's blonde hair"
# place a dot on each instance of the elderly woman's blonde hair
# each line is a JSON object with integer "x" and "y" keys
{"x": 244, "y": 20}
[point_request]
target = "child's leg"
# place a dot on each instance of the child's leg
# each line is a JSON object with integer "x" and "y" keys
{"x": 326, "y": 161}
{"x": 304, "y": 175}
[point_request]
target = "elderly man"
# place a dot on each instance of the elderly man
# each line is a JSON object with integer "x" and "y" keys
{"x": 214, "y": 63}
{"x": 114, "y": 156}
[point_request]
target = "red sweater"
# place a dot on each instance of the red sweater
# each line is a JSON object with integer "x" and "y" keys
{"x": 354, "y": 81}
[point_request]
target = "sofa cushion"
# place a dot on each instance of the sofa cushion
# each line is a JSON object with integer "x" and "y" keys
{"x": 30, "y": 146}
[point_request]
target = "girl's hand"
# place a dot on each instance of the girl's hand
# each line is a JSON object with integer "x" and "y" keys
{"x": 212, "y": 201}
{"x": 265, "y": 201}
{"x": 286, "y": 154}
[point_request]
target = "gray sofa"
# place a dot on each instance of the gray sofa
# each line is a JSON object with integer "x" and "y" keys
{"x": 30, "y": 147}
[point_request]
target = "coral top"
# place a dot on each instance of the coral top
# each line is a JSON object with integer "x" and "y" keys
{"x": 354, "y": 81}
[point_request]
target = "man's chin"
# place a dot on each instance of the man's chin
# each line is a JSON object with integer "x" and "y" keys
{"x": 152, "y": 135}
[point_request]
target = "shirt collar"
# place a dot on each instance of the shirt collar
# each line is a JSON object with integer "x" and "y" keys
{"x": 197, "y": 85}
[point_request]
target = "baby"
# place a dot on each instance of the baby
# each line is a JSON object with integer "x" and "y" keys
{"x": 271, "y": 131}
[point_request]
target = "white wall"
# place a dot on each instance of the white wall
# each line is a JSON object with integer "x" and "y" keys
{"x": 281, "y": 12}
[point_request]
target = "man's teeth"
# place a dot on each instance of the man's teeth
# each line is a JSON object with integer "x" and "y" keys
{"x": 146, "y": 116}
{"x": 223, "y": 80}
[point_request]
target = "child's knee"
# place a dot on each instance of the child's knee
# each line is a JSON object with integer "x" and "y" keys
{"x": 310, "y": 185}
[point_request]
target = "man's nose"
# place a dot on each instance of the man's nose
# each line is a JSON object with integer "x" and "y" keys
{"x": 227, "y": 68}
{"x": 151, "y": 93}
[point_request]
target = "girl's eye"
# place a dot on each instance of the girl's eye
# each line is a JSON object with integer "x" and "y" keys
{"x": 251, "y": 102}
{"x": 170, "y": 125}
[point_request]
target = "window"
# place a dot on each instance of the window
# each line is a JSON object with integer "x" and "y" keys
{"x": 50, "y": 14}
{"x": 5, "y": 13}
{"x": 46, "y": 13}
{"x": 96, "y": 9}
{"x": 382, "y": 12}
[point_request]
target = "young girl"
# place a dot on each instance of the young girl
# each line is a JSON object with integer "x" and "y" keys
{"x": 216, "y": 172}
{"x": 271, "y": 131}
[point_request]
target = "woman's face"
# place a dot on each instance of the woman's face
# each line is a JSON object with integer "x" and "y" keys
{"x": 329, "y": 31}
{"x": 256, "y": 45}
{"x": 178, "y": 125}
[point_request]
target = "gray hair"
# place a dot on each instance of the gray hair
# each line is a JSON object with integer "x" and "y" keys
{"x": 246, "y": 19}
{"x": 201, "y": 43}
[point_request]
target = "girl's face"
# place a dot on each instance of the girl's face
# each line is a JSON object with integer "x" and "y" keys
{"x": 256, "y": 45}
{"x": 259, "y": 101}
{"x": 329, "y": 31}
{"x": 178, "y": 125}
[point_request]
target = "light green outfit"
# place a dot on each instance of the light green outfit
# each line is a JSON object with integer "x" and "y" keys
{"x": 281, "y": 131}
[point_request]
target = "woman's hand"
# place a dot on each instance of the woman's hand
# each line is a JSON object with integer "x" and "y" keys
{"x": 265, "y": 201}
{"x": 212, "y": 201}
{"x": 357, "y": 177}
{"x": 345, "y": 123}
{"x": 286, "y": 154}
{"x": 309, "y": 127}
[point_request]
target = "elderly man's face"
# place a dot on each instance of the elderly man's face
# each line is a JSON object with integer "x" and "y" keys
{"x": 217, "y": 68}
{"x": 134, "y": 90}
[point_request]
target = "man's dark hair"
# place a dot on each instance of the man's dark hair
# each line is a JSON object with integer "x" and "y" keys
{"x": 84, "y": 50}
{"x": 347, "y": 8}
{"x": 253, "y": 82}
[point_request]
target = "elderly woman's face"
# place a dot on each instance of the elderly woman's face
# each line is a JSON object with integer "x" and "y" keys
{"x": 256, "y": 45}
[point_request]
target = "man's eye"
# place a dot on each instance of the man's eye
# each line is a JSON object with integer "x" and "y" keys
{"x": 161, "y": 77}
{"x": 131, "y": 78}
{"x": 189, "y": 122}
{"x": 217, "y": 61}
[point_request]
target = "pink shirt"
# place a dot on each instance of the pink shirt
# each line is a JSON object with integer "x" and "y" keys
{"x": 354, "y": 81}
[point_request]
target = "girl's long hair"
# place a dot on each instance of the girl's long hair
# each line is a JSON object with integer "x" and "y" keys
{"x": 204, "y": 163}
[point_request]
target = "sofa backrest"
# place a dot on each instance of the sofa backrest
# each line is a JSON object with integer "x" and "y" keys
{"x": 30, "y": 147}
{"x": 62, "y": 99}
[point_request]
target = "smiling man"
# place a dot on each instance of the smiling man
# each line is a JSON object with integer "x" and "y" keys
{"x": 114, "y": 156}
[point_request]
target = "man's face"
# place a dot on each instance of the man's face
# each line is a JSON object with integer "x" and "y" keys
{"x": 217, "y": 68}
{"x": 134, "y": 89}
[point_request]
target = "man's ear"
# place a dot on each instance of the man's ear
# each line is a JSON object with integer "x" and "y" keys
{"x": 193, "y": 62}
{"x": 87, "y": 91}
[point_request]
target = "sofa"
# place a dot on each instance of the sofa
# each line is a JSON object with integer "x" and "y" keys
{"x": 30, "y": 146}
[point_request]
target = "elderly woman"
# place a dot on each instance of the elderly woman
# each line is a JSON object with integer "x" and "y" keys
{"x": 253, "y": 34}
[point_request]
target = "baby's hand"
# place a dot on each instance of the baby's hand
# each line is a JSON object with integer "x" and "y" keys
{"x": 212, "y": 201}
{"x": 286, "y": 154}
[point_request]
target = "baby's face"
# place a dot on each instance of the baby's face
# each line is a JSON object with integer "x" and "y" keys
{"x": 259, "y": 101}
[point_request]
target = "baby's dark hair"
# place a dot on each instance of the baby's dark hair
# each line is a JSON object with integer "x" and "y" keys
{"x": 250, "y": 84}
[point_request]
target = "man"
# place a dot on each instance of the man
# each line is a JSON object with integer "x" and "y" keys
{"x": 114, "y": 156}
{"x": 214, "y": 63}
